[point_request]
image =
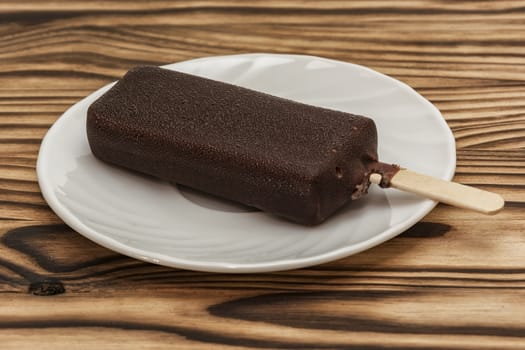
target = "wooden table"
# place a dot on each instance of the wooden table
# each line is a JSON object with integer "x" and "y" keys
{"x": 454, "y": 280}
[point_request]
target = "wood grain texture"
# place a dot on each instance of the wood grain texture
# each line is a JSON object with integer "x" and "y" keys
{"x": 456, "y": 280}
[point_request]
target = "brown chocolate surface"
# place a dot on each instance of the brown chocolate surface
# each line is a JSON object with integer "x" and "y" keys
{"x": 387, "y": 172}
{"x": 286, "y": 158}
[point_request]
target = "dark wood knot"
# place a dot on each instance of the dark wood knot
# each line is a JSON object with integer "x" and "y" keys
{"x": 46, "y": 288}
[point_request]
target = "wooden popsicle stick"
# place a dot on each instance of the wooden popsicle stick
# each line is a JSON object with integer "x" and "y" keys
{"x": 452, "y": 193}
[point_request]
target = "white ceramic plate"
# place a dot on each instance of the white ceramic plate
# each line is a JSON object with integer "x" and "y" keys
{"x": 157, "y": 222}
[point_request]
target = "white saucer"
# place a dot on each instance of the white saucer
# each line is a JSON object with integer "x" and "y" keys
{"x": 154, "y": 221}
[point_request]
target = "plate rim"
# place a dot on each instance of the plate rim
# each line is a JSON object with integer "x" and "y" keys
{"x": 228, "y": 267}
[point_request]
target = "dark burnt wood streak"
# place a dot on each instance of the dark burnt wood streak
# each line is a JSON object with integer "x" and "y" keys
{"x": 456, "y": 280}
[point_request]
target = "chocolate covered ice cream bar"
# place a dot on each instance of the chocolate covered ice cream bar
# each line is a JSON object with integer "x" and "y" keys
{"x": 286, "y": 158}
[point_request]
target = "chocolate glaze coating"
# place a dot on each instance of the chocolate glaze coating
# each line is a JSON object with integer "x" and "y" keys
{"x": 286, "y": 158}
